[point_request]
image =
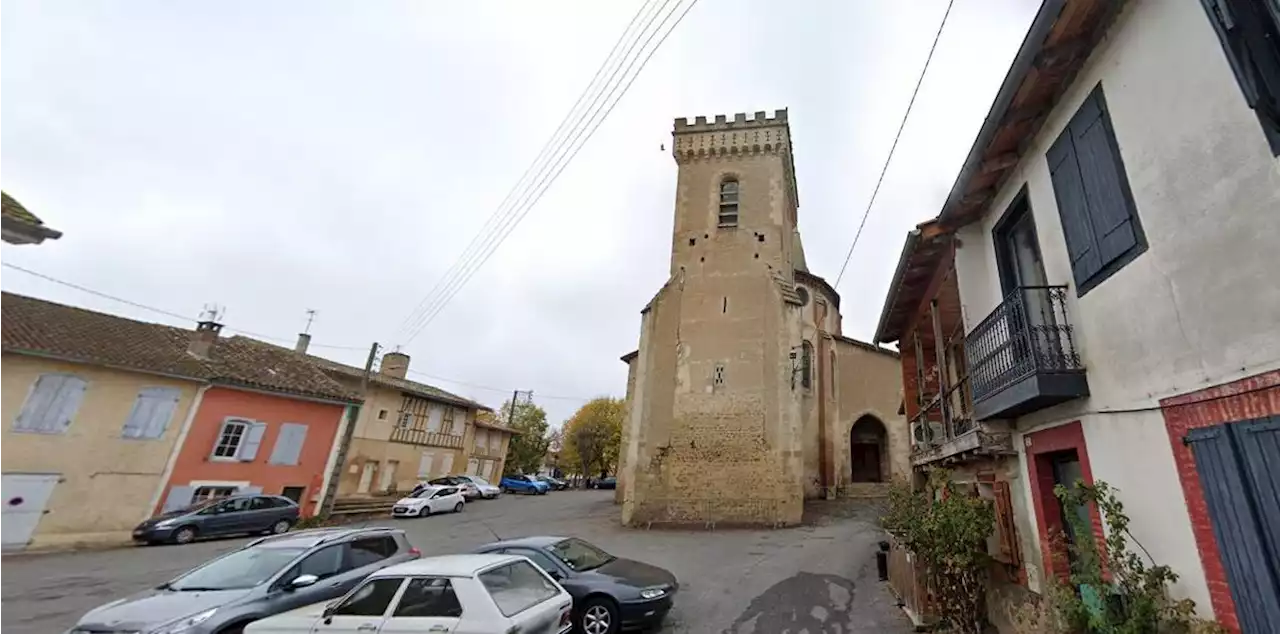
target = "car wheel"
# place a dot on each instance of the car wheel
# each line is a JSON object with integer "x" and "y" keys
{"x": 457, "y": 508}
{"x": 184, "y": 535}
{"x": 598, "y": 616}
{"x": 280, "y": 527}
{"x": 426, "y": 510}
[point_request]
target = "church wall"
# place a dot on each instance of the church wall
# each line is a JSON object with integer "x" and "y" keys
{"x": 869, "y": 382}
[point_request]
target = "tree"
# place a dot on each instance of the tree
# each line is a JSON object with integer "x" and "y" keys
{"x": 592, "y": 437}
{"x": 528, "y": 447}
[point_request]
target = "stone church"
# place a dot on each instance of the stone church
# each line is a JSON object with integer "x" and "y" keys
{"x": 744, "y": 398}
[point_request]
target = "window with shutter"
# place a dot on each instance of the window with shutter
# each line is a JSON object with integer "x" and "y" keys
{"x": 1249, "y": 32}
{"x": 1006, "y": 528}
{"x": 151, "y": 413}
{"x": 289, "y": 443}
{"x": 52, "y": 403}
{"x": 1099, "y": 219}
{"x": 435, "y": 418}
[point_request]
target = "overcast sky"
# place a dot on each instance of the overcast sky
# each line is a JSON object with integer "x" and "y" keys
{"x": 339, "y": 156}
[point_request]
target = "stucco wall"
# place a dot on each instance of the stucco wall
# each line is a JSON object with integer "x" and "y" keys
{"x": 196, "y": 464}
{"x": 869, "y": 383}
{"x": 108, "y": 481}
{"x": 1199, "y": 306}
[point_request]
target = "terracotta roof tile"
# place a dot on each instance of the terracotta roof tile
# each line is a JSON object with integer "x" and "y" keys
{"x": 405, "y": 385}
{"x": 39, "y": 327}
{"x": 11, "y": 208}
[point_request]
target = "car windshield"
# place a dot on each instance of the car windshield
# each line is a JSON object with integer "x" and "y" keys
{"x": 241, "y": 569}
{"x": 439, "y": 481}
{"x": 425, "y": 492}
{"x": 481, "y": 481}
{"x": 580, "y": 555}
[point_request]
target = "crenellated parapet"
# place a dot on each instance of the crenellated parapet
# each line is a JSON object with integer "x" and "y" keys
{"x": 724, "y": 137}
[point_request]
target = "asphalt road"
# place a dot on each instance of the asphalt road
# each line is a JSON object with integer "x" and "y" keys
{"x": 817, "y": 578}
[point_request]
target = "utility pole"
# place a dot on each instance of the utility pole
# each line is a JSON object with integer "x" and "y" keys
{"x": 511, "y": 413}
{"x": 353, "y": 414}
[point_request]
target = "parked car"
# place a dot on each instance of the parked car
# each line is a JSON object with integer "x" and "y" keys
{"x": 610, "y": 482}
{"x": 524, "y": 484}
{"x": 556, "y": 484}
{"x": 460, "y": 594}
{"x": 428, "y": 500}
{"x": 469, "y": 489}
{"x": 487, "y": 491}
{"x": 236, "y": 514}
{"x": 609, "y": 593}
{"x": 265, "y": 577}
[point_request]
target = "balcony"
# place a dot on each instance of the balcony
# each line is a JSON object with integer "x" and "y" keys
{"x": 1022, "y": 357}
{"x": 415, "y": 436}
{"x": 946, "y": 428}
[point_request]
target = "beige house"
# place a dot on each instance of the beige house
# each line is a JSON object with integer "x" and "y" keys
{"x": 743, "y": 374}
{"x": 409, "y": 431}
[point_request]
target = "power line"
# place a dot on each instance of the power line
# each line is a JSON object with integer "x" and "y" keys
{"x": 495, "y": 389}
{"x": 160, "y": 311}
{"x": 893, "y": 147}
{"x": 469, "y": 253}
{"x": 532, "y": 199}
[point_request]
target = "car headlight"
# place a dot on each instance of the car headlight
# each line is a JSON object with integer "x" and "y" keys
{"x": 185, "y": 624}
{"x": 652, "y": 593}
{"x": 165, "y": 523}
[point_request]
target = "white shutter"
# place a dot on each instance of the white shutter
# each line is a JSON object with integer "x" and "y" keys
{"x": 446, "y": 466}
{"x": 435, "y": 415}
{"x": 252, "y": 440}
{"x": 67, "y": 402}
{"x": 52, "y": 404}
{"x": 289, "y": 443}
{"x": 151, "y": 412}
{"x": 424, "y": 465}
{"x": 482, "y": 439}
{"x": 179, "y": 497}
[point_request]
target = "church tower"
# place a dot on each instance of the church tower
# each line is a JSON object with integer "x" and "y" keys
{"x": 714, "y": 418}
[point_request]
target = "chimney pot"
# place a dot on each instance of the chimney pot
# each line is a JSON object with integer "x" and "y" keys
{"x": 304, "y": 340}
{"x": 394, "y": 364}
{"x": 206, "y": 334}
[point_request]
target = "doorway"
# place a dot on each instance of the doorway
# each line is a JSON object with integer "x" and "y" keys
{"x": 1021, "y": 267}
{"x": 366, "y": 476}
{"x": 868, "y": 451}
{"x": 388, "y": 480}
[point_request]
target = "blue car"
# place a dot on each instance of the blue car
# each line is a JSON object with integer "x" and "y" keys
{"x": 524, "y": 484}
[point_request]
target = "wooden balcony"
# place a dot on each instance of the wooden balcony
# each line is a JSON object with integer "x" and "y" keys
{"x": 945, "y": 429}
{"x": 415, "y": 436}
{"x": 1022, "y": 357}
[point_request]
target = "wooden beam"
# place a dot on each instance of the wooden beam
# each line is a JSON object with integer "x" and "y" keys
{"x": 1000, "y": 162}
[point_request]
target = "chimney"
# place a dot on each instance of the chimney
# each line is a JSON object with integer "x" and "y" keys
{"x": 304, "y": 340}
{"x": 394, "y": 364}
{"x": 206, "y": 333}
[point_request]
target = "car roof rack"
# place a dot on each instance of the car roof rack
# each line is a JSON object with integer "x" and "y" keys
{"x": 325, "y": 533}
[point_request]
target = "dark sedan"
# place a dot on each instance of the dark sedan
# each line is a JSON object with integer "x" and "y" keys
{"x": 609, "y": 593}
{"x": 238, "y": 514}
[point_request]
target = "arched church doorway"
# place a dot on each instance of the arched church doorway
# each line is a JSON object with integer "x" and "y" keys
{"x": 868, "y": 450}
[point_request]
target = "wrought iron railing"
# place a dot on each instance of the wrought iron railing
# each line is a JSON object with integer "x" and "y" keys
{"x": 416, "y": 436}
{"x": 1027, "y": 333}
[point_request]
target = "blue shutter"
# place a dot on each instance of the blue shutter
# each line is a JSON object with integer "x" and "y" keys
{"x": 289, "y": 443}
{"x": 38, "y": 403}
{"x": 1259, "y": 443}
{"x": 1105, "y": 184}
{"x": 251, "y": 441}
{"x": 1068, "y": 189}
{"x": 179, "y": 497}
{"x": 151, "y": 412}
{"x": 66, "y": 404}
{"x": 1250, "y": 576}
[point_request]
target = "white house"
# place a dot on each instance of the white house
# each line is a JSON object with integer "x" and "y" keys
{"x": 1117, "y": 225}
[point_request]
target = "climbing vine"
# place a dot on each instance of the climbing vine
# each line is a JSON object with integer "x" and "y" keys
{"x": 947, "y": 530}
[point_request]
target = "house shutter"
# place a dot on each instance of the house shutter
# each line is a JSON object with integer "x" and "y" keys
{"x": 1102, "y": 171}
{"x": 179, "y": 497}
{"x": 151, "y": 413}
{"x": 52, "y": 404}
{"x": 1248, "y": 32}
{"x": 252, "y": 440}
{"x": 289, "y": 444}
{"x": 1068, "y": 189}
{"x": 425, "y": 464}
{"x": 435, "y": 415}
{"x": 1251, "y": 575}
{"x": 1259, "y": 443}
{"x": 249, "y": 490}
{"x": 1006, "y": 528}
{"x": 446, "y": 466}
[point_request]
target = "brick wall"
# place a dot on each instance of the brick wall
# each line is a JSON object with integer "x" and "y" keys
{"x": 1253, "y": 397}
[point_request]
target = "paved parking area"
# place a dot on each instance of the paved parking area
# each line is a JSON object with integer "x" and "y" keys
{"x": 817, "y": 578}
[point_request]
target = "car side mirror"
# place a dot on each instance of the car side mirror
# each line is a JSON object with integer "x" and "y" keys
{"x": 555, "y": 574}
{"x": 330, "y": 608}
{"x": 302, "y": 581}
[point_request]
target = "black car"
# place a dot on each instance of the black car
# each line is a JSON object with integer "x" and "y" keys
{"x": 610, "y": 482}
{"x": 267, "y": 576}
{"x": 556, "y": 484}
{"x": 233, "y": 515}
{"x": 609, "y": 593}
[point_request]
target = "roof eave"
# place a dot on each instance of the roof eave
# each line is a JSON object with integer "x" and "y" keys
{"x": 890, "y": 300}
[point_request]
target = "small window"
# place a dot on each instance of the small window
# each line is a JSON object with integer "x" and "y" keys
{"x": 382, "y": 414}
{"x": 448, "y": 420}
{"x": 806, "y": 365}
{"x": 517, "y": 587}
{"x": 728, "y": 203}
{"x": 323, "y": 563}
{"x": 151, "y": 412}
{"x": 229, "y": 440}
{"x": 717, "y": 375}
{"x": 208, "y": 493}
{"x": 294, "y": 493}
{"x": 1099, "y": 219}
{"x": 370, "y": 550}
{"x": 429, "y": 597}
{"x": 53, "y": 402}
{"x": 371, "y": 599}
{"x": 1249, "y": 32}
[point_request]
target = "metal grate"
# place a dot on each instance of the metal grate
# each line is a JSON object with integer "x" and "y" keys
{"x": 1026, "y": 334}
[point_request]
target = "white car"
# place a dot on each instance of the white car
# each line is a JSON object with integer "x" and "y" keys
{"x": 458, "y": 594}
{"x": 428, "y": 500}
{"x": 487, "y": 491}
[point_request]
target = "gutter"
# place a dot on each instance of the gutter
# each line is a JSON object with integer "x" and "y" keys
{"x": 1027, "y": 53}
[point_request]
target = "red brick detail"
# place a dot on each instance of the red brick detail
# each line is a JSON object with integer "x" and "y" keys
{"x": 1253, "y": 397}
{"x": 1049, "y": 520}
